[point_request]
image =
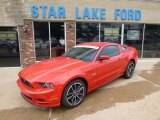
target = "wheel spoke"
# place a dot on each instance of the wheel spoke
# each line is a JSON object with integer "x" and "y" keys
{"x": 73, "y": 100}
{"x": 80, "y": 95}
{"x": 80, "y": 89}
{"x": 71, "y": 95}
{"x": 75, "y": 87}
{"x": 72, "y": 89}
{"x": 129, "y": 72}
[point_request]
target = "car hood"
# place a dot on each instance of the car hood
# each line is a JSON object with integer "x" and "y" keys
{"x": 41, "y": 71}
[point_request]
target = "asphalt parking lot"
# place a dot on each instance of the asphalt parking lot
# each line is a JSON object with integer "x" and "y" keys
{"x": 137, "y": 98}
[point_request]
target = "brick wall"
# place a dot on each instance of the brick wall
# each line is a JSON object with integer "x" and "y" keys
{"x": 70, "y": 34}
{"x": 27, "y": 44}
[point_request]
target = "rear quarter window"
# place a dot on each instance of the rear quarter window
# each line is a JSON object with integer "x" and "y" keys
{"x": 124, "y": 48}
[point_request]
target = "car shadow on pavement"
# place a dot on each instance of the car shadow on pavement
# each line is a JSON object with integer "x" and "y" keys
{"x": 101, "y": 99}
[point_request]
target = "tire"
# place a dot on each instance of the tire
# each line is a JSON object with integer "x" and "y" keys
{"x": 129, "y": 70}
{"x": 73, "y": 93}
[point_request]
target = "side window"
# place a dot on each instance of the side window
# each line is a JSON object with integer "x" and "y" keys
{"x": 111, "y": 50}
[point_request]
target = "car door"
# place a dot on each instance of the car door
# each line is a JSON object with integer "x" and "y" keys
{"x": 109, "y": 69}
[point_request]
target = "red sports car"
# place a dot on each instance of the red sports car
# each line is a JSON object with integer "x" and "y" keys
{"x": 65, "y": 80}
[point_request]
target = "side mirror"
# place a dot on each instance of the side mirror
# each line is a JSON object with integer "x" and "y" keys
{"x": 104, "y": 57}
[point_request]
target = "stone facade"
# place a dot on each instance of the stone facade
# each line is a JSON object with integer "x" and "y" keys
{"x": 17, "y": 13}
{"x": 14, "y": 11}
{"x": 26, "y": 43}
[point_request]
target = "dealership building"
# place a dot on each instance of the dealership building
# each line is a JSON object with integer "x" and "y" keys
{"x": 34, "y": 30}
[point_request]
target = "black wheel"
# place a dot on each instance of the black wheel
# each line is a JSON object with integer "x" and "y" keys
{"x": 73, "y": 93}
{"x": 129, "y": 70}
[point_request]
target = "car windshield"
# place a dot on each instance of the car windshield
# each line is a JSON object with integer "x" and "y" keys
{"x": 86, "y": 53}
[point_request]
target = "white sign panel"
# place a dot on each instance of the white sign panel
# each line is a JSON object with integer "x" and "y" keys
{"x": 133, "y": 35}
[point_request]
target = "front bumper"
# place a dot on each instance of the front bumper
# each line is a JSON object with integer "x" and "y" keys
{"x": 44, "y": 97}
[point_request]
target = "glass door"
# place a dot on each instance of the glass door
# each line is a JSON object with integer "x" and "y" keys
{"x": 49, "y": 39}
{"x": 41, "y": 36}
{"x": 152, "y": 41}
{"x": 133, "y": 35}
{"x": 57, "y": 38}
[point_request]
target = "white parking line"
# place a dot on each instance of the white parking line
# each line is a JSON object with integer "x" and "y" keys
{"x": 152, "y": 83}
{"x": 50, "y": 113}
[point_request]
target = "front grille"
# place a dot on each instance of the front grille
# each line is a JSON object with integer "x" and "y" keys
{"x": 26, "y": 83}
{"x": 27, "y": 96}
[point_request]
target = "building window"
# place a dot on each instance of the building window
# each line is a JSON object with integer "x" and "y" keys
{"x": 110, "y": 32}
{"x": 133, "y": 35}
{"x": 151, "y": 47}
{"x": 49, "y": 39}
{"x": 9, "y": 47}
{"x": 42, "y": 46}
{"x": 87, "y": 32}
{"x": 57, "y": 39}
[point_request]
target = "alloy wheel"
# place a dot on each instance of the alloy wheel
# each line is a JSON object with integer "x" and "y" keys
{"x": 130, "y": 70}
{"x": 75, "y": 93}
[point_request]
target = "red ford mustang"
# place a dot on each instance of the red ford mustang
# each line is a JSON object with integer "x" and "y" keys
{"x": 65, "y": 80}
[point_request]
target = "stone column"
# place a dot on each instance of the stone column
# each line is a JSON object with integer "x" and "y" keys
{"x": 70, "y": 34}
{"x": 27, "y": 44}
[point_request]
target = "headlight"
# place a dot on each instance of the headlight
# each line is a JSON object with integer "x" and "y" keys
{"x": 46, "y": 85}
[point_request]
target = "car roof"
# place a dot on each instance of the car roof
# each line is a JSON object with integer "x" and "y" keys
{"x": 98, "y": 44}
